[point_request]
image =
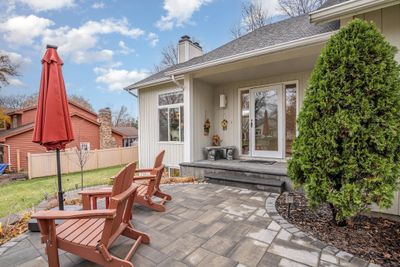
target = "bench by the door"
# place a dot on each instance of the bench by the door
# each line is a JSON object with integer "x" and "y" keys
{"x": 212, "y": 151}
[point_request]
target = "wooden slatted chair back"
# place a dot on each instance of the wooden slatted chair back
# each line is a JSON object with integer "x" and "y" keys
{"x": 158, "y": 172}
{"x": 159, "y": 160}
{"x": 121, "y": 200}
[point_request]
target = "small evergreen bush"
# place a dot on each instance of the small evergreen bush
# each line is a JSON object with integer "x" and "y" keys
{"x": 348, "y": 149}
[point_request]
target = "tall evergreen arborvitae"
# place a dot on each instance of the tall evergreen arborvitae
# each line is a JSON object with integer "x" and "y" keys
{"x": 347, "y": 152}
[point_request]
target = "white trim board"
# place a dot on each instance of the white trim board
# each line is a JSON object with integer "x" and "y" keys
{"x": 349, "y": 9}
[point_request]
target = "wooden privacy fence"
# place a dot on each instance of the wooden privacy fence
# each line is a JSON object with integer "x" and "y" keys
{"x": 44, "y": 164}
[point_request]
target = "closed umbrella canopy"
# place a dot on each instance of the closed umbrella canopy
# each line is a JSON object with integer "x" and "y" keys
{"x": 53, "y": 124}
{"x": 53, "y": 128}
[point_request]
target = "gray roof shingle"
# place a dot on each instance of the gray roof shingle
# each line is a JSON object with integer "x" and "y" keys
{"x": 329, "y": 3}
{"x": 277, "y": 33}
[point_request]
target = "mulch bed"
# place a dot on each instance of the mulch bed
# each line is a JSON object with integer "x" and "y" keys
{"x": 372, "y": 239}
{"x": 9, "y": 231}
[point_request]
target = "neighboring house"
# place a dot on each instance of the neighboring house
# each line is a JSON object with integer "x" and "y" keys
{"x": 130, "y": 136}
{"x": 263, "y": 76}
{"x": 91, "y": 131}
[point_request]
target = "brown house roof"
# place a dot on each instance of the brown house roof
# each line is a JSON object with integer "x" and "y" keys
{"x": 22, "y": 110}
{"x": 127, "y": 132}
{"x": 15, "y": 131}
{"x": 27, "y": 127}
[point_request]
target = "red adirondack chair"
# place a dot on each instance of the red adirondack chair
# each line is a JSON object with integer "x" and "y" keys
{"x": 148, "y": 187}
{"x": 90, "y": 233}
{"x": 154, "y": 171}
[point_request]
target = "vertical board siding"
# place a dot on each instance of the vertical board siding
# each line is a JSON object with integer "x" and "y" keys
{"x": 388, "y": 22}
{"x": 149, "y": 144}
{"x": 204, "y": 107}
{"x": 44, "y": 164}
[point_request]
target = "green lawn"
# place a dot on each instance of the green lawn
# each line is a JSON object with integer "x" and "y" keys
{"x": 20, "y": 195}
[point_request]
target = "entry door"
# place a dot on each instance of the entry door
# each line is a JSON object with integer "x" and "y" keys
{"x": 266, "y": 121}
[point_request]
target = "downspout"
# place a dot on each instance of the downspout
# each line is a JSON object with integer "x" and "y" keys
{"x": 176, "y": 82}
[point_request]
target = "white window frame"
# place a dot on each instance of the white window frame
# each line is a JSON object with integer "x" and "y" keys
{"x": 84, "y": 143}
{"x": 168, "y": 107}
{"x": 249, "y": 88}
{"x": 169, "y": 167}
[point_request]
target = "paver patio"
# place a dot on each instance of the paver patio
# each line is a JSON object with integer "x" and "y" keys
{"x": 205, "y": 225}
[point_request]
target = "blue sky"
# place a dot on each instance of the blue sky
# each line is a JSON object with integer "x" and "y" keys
{"x": 107, "y": 45}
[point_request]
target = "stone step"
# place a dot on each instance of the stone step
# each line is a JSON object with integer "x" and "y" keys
{"x": 248, "y": 181}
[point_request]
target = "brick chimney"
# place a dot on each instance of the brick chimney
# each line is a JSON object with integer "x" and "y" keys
{"x": 188, "y": 49}
{"x": 106, "y": 138}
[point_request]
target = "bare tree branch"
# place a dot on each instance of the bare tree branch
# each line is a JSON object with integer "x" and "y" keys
{"x": 7, "y": 69}
{"x": 299, "y": 7}
{"x": 169, "y": 58}
{"x": 12, "y": 102}
{"x": 121, "y": 118}
{"x": 253, "y": 17}
{"x": 29, "y": 101}
{"x": 236, "y": 31}
{"x": 83, "y": 156}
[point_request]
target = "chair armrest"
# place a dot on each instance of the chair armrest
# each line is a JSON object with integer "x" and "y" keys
{"x": 144, "y": 177}
{"x": 128, "y": 193}
{"x": 84, "y": 214}
{"x": 101, "y": 191}
{"x": 143, "y": 170}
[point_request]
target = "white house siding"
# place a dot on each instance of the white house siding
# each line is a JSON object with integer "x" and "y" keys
{"x": 149, "y": 145}
{"x": 388, "y": 21}
{"x": 231, "y": 113}
{"x": 203, "y": 107}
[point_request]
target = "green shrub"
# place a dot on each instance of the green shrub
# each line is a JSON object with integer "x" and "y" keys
{"x": 348, "y": 148}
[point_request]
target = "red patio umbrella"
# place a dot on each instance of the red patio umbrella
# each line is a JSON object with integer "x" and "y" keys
{"x": 53, "y": 128}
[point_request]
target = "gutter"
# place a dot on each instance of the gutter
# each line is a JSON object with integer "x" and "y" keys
{"x": 130, "y": 92}
{"x": 163, "y": 80}
{"x": 348, "y": 9}
{"x": 320, "y": 38}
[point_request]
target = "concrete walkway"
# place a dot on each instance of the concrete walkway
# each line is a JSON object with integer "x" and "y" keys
{"x": 205, "y": 225}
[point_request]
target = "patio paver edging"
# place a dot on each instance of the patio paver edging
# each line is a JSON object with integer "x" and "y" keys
{"x": 329, "y": 254}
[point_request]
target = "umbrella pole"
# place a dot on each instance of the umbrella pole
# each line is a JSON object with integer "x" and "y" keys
{"x": 60, "y": 192}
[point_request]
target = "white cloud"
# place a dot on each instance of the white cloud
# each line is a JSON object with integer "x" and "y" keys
{"x": 92, "y": 56}
{"x": 115, "y": 64}
{"x": 79, "y": 43}
{"x": 45, "y": 5}
{"x": 153, "y": 39}
{"x": 118, "y": 79}
{"x": 179, "y": 12}
{"x": 271, "y": 7}
{"x": 16, "y": 82}
{"x": 16, "y": 58}
{"x": 124, "y": 49}
{"x": 98, "y": 5}
{"x": 22, "y": 30}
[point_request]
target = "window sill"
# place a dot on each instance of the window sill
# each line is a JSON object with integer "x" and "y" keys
{"x": 170, "y": 143}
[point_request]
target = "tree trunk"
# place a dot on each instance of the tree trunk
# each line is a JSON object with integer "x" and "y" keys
{"x": 81, "y": 178}
{"x": 334, "y": 213}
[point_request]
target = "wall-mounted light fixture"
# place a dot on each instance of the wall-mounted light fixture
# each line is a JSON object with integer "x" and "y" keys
{"x": 222, "y": 101}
